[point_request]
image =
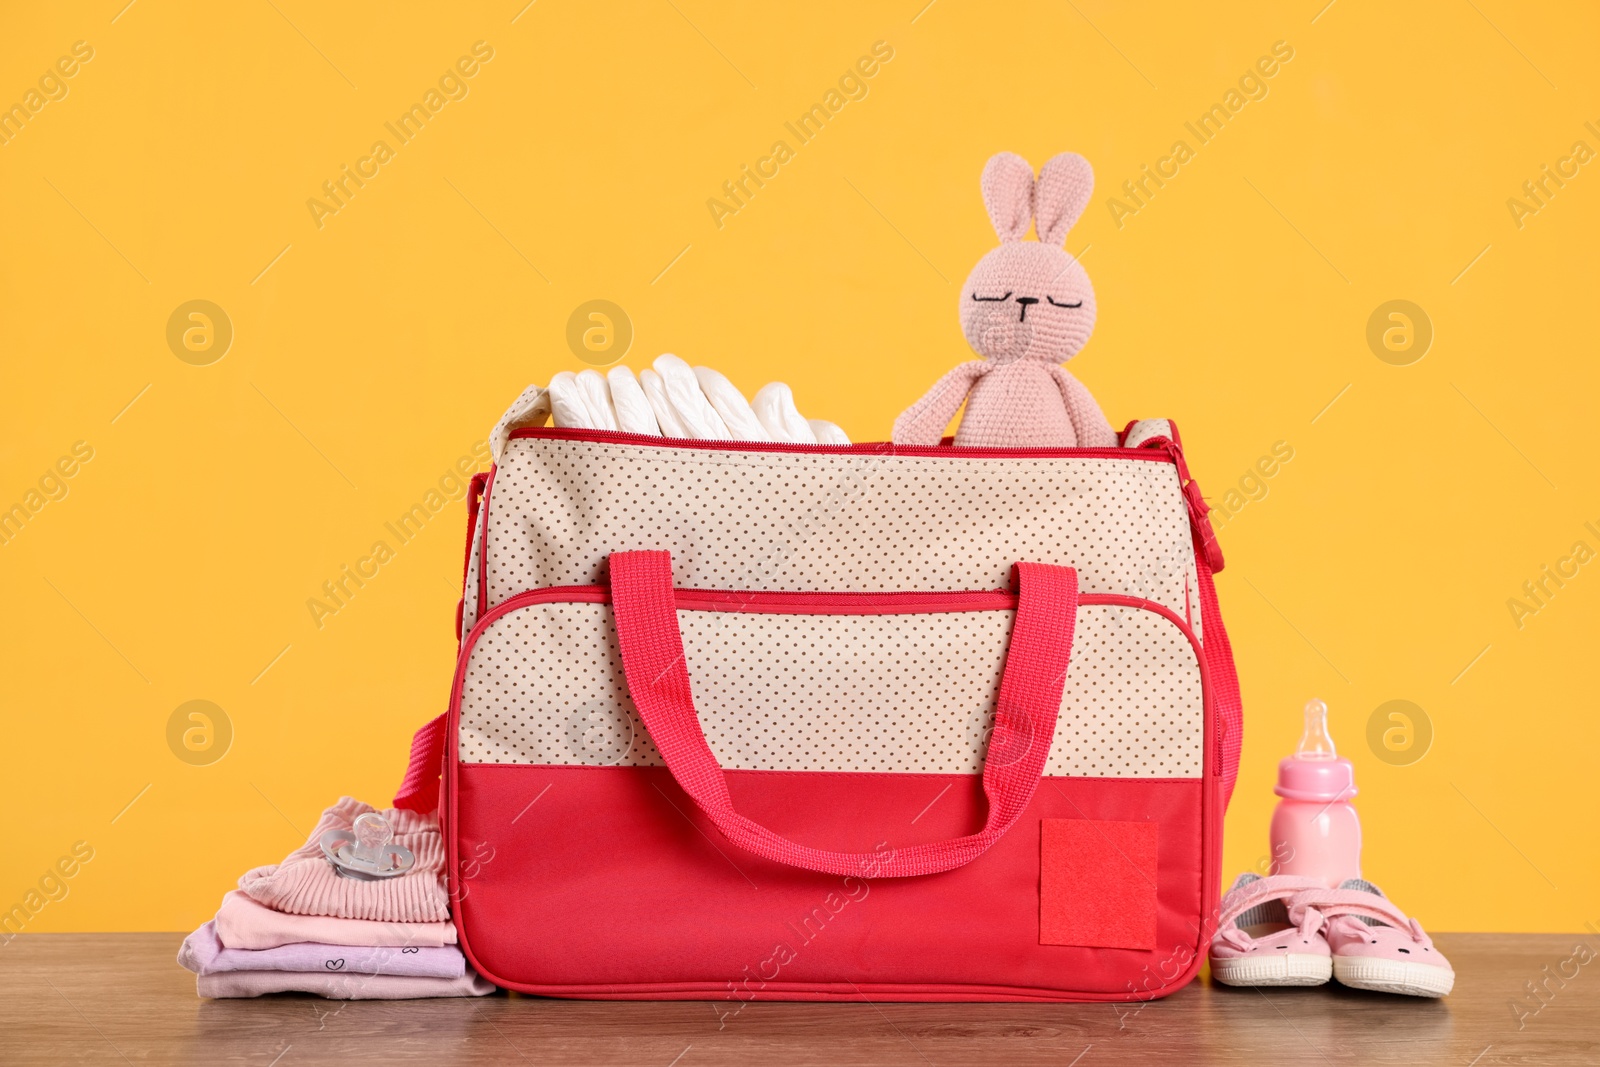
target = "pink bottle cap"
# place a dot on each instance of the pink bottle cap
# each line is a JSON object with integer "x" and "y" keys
{"x": 1316, "y": 779}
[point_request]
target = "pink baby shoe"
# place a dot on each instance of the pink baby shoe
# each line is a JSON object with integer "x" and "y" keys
{"x": 1374, "y": 944}
{"x": 1260, "y": 942}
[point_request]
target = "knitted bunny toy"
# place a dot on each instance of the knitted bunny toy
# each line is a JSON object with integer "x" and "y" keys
{"x": 1026, "y": 308}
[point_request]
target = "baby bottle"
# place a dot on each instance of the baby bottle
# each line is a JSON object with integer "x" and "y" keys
{"x": 1315, "y": 832}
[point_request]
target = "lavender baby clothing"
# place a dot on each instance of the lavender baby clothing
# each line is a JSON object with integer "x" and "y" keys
{"x": 204, "y": 953}
{"x": 339, "y": 986}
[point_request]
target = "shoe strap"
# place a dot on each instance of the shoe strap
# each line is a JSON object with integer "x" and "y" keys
{"x": 1337, "y": 903}
{"x": 1261, "y": 891}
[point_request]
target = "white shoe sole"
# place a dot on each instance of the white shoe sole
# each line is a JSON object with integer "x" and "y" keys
{"x": 1278, "y": 969}
{"x": 1392, "y": 976}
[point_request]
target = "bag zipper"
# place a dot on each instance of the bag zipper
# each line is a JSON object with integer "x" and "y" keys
{"x": 861, "y": 602}
{"x": 1158, "y": 449}
{"x": 876, "y": 448}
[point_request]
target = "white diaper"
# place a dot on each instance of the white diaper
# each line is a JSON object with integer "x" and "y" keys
{"x": 673, "y": 399}
{"x": 633, "y": 408}
{"x": 774, "y": 406}
{"x": 731, "y": 406}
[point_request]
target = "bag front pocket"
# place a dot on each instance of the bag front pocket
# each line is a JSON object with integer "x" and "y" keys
{"x": 843, "y": 682}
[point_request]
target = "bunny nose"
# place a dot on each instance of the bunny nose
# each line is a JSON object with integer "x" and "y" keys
{"x": 1025, "y": 301}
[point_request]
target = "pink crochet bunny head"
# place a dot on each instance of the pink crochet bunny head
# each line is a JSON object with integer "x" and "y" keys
{"x": 1030, "y": 299}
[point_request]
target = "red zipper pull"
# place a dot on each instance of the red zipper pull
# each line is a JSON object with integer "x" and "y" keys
{"x": 1195, "y": 499}
{"x": 1198, "y": 513}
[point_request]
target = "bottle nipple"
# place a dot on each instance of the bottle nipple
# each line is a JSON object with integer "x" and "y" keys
{"x": 1315, "y": 744}
{"x": 1315, "y": 772}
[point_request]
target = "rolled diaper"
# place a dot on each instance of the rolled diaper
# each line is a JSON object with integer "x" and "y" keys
{"x": 828, "y": 434}
{"x": 632, "y": 406}
{"x": 655, "y": 391}
{"x": 597, "y": 397}
{"x": 672, "y": 399}
{"x": 774, "y": 406}
{"x": 569, "y": 408}
{"x": 689, "y": 401}
{"x": 731, "y": 406}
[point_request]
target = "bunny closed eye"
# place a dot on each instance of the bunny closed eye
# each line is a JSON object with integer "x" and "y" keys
{"x": 1030, "y": 300}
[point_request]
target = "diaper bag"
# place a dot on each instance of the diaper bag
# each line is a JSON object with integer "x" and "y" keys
{"x": 736, "y": 721}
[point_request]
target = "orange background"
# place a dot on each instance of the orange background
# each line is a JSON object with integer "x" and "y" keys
{"x": 371, "y": 353}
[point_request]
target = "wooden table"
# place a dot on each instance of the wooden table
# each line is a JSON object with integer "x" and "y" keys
{"x": 110, "y": 998}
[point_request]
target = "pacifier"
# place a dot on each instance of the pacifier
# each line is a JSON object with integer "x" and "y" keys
{"x": 363, "y": 851}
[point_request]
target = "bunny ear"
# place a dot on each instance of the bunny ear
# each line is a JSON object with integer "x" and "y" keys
{"x": 1008, "y": 194}
{"x": 1065, "y": 185}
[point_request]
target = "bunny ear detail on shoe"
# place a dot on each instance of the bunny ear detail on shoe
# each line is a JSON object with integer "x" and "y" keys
{"x": 1065, "y": 185}
{"x": 1008, "y": 194}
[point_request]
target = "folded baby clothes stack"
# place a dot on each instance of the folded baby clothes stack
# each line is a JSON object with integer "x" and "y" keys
{"x": 302, "y": 926}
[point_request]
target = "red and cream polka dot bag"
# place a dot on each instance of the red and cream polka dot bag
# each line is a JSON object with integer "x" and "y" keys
{"x": 743, "y": 721}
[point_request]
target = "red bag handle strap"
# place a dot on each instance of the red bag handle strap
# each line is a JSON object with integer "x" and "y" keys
{"x": 420, "y": 789}
{"x": 1035, "y": 671}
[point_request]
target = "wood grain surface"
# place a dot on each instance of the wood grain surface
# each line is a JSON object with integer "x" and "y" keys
{"x": 115, "y": 998}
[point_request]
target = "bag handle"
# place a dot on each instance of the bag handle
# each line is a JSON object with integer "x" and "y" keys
{"x": 651, "y": 643}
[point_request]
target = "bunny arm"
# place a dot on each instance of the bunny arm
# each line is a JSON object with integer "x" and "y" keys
{"x": 1088, "y": 421}
{"x": 923, "y": 423}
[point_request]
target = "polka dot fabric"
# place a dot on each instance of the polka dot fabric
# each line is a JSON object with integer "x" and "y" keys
{"x": 1145, "y": 430}
{"x": 836, "y": 521}
{"x": 900, "y": 693}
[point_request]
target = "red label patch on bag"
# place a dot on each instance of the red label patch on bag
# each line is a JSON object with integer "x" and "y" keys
{"x": 1097, "y": 883}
